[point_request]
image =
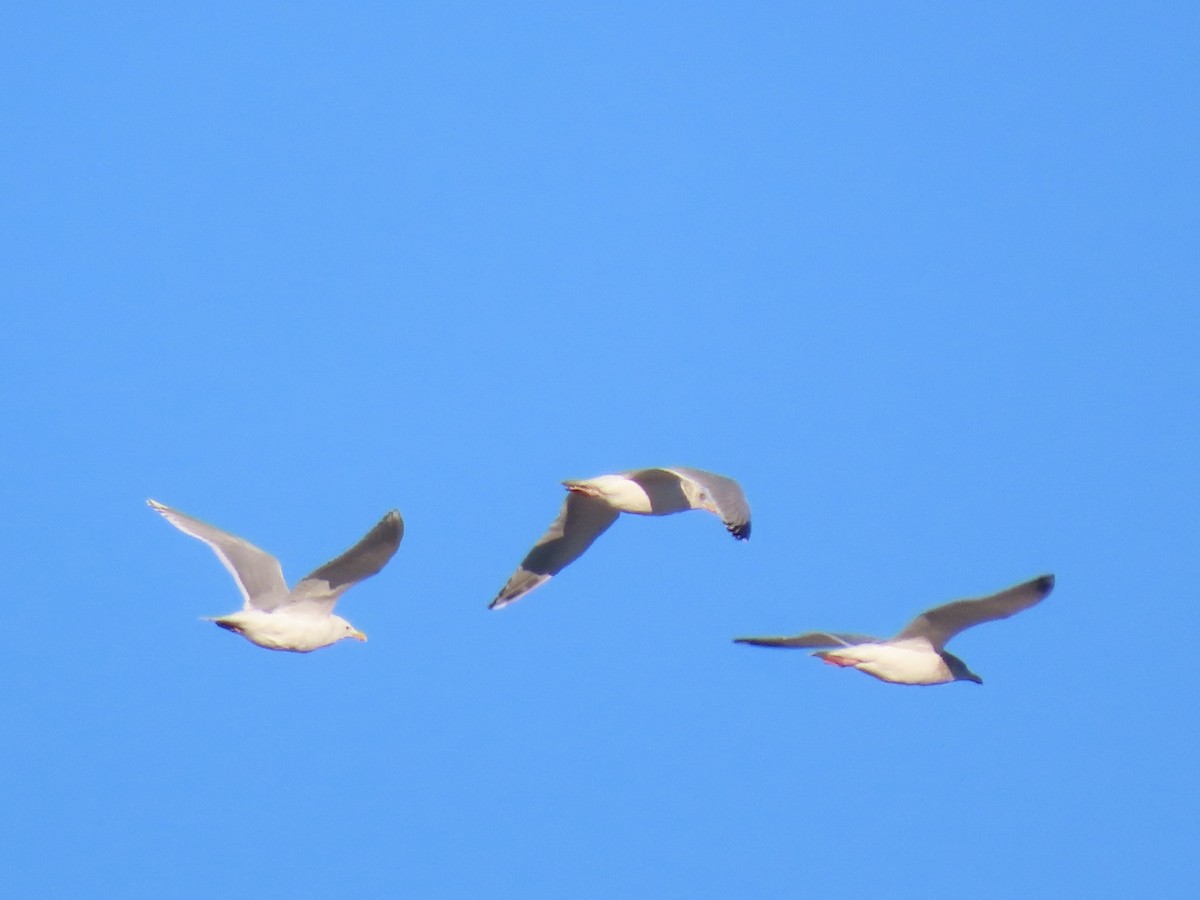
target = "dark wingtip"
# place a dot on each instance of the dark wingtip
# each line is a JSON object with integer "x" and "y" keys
{"x": 741, "y": 531}
{"x": 1045, "y": 584}
{"x": 769, "y": 643}
{"x": 393, "y": 522}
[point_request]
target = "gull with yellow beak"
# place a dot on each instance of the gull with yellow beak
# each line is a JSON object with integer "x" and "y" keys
{"x": 917, "y": 655}
{"x": 301, "y": 619}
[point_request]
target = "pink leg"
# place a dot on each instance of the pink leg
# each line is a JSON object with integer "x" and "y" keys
{"x": 834, "y": 660}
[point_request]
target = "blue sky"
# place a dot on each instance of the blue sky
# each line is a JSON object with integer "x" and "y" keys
{"x": 923, "y": 279}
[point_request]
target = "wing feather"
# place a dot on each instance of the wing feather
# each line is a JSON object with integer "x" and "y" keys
{"x": 723, "y": 497}
{"x": 258, "y": 574}
{"x": 940, "y": 624}
{"x": 323, "y": 586}
{"x": 812, "y": 639}
{"x": 580, "y": 521}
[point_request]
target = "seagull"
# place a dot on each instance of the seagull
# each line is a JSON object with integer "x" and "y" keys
{"x": 300, "y": 620}
{"x": 593, "y": 504}
{"x": 916, "y": 654}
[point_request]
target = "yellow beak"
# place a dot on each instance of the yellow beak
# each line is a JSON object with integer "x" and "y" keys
{"x": 358, "y": 636}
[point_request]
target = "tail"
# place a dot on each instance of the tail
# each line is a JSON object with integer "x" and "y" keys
{"x": 223, "y": 622}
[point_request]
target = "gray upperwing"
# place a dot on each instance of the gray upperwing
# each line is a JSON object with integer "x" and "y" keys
{"x": 726, "y": 498}
{"x": 812, "y": 639}
{"x": 258, "y": 574}
{"x": 581, "y": 520}
{"x": 941, "y": 623}
{"x": 364, "y": 559}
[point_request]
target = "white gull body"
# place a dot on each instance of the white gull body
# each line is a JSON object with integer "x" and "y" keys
{"x": 593, "y": 504}
{"x": 917, "y": 655}
{"x": 300, "y": 619}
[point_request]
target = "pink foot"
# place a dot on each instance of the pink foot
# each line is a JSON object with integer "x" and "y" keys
{"x": 834, "y": 660}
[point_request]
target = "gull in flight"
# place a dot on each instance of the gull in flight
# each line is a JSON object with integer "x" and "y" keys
{"x": 300, "y": 619}
{"x": 593, "y": 504}
{"x": 916, "y": 654}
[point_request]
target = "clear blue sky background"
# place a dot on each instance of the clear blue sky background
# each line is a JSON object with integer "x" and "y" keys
{"x": 923, "y": 279}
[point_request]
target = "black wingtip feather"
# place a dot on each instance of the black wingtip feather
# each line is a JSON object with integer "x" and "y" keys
{"x": 741, "y": 532}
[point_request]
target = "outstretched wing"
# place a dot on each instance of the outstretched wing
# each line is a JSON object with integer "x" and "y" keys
{"x": 812, "y": 639}
{"x": 257, "y": 573}
{"x": 720, "y": 495}
{"x": 941, "y": 623}
{"x": 581, "y": 520}
{"x": 323, "y": 586}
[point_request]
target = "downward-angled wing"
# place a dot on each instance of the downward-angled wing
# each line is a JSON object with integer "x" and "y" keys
{"x": 811, "y": 639}
{"x": 323, "y": 586}
{"x": 256, "y": 572}
{"x": 941, "y": 623}
{"x": 581, "y": 520}
{"x": 720, "y": 495}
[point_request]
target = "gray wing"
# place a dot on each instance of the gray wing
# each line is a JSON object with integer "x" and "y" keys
{"x": 581, "y": 520}
{"x": 323, "y": 586}
{"x": 941, "y": 623}
{"x": 724, "y": 498}
{"x": 257, "y": 573}
{"x": 810, "y": 639}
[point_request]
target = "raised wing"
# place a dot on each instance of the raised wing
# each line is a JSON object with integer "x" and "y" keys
{"x": 812, "y": 639}
{"x": 257, "y": 573}
{"x": 941, "y": 623}
{"x": 581, "y": 520}
{"x": 366, "y": 558}
{"x": 720, "y": 495}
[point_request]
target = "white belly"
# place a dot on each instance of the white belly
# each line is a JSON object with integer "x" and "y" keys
{"x": 915, "y": 663}
{"x": 281, "y": 630}
{"x": 620, "y": 493}
{"x": 633, "y": 499}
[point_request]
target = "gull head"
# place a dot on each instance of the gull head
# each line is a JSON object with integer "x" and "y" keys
{"x": 959, "y": 669}
{"x": 343, "y": 629}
